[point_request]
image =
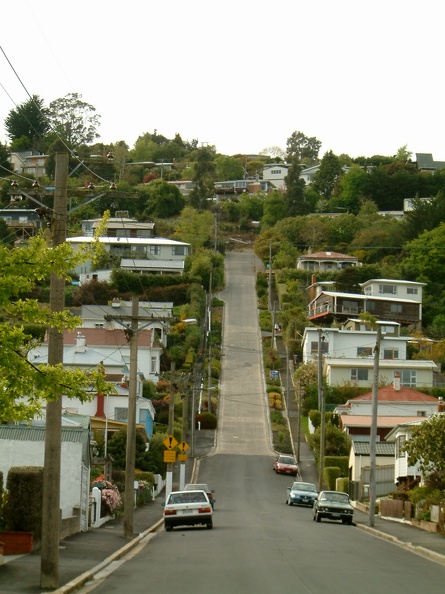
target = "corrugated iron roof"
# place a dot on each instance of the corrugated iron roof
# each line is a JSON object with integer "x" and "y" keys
{"x": 363, "y": 448}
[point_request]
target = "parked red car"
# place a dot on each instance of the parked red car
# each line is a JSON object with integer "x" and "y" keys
{"x": 285, "y": 464}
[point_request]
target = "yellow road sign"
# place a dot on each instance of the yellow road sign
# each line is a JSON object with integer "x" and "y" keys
{"x": 182, "y": 457}
{"x": 169, "y": 456}
{"x": 170, "y": 442}
{"x": 183, "y": 446}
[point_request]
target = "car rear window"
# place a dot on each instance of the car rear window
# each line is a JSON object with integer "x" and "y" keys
{"x": 189, "y": 497}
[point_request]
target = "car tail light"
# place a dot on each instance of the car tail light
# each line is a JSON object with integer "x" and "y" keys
{"x": 204, "y": 510}
{"x": 169, "y": 512}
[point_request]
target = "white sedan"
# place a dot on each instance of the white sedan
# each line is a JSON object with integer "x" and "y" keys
{"x": 187, "y": 508}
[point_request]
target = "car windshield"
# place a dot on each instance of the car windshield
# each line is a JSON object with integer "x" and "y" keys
{"x": 304, "y": 487}
{"x": 188, "y": 497}
{"x": 286, "y": 460}
{"x": 339, "y": 497}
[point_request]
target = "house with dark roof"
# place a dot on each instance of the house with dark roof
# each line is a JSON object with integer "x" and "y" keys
{"x": 325, "y": 261}
{"x": 425, "y": 162}
{"x": 360, "y": 469}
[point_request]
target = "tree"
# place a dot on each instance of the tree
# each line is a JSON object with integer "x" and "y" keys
{"x": 425, "y": 258}
{"x": 274, "y": 209}
{"x": 28, "y": 124}
{"x": 117, "y": 447}
{"x": 203, "y": 177}
{"x": 4, "y": 158}
{"x": 274, "y": 152}
{"x": 351, "y": 189}
{"x": 403, "y": 154}
{"x": 228, "y": 168}
{"x": 194, "y": 227}
{"x": 303, "y": 148}
{"x": 74, "y": 120}
{"x": 296, "y": 203}
{"x": 425, "y": 215}
{"x": 426, "y": 447}
{"x": 22, "y": 269}
{"x": 327, "y": 176}
{"x": 164, "y": 200}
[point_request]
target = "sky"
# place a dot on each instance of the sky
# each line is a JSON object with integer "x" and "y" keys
{"x": 364, "y": 78}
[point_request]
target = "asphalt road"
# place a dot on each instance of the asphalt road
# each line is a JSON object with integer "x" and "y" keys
{"x": 258, "y": 543}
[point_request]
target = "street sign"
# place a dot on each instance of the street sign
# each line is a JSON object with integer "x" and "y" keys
{"x": 182, "y": 457}
{"x": 169, "y": 456}
{"x": 170, "y": 442}
{"x": 273, "y": 375}
{"x": 183, "y": 446}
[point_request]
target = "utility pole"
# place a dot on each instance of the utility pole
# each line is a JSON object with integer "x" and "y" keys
{"x": 373, "y": 436}
{"x": 131, "y": 421}
{"x": 321, "y": 402}
{"x": 270, "y": 276}
{"x": 171, "y": 428}
{"x": 49, "y": 559}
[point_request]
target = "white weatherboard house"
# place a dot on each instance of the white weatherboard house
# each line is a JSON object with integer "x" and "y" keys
{"x": 348, "y": 355}
{"x": 24, "y": 445}
{"x": 151, "y": 254}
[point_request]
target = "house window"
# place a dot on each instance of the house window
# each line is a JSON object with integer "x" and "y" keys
{"x": 396, "y": 308}
{"x": 390, "y": 353}
{"x": 179, "y": 250}
{"x": 324, "y": 347}
{"x": 370, "y": 305}
{"x": 421, "y": 413}
{"x": 153, "y": 365}
{"x": 412, "y": 290}
{"x": 388, "y": 289}
{"x": 350, "y": 306}
{"x": 121, "y": 414}
{"x": 400, "y": 443}
{"x": 155, "y": 250}
{"x": 408, "y": 377}
{"x": 359, "y": 375}
{"x": 364, "y": 351}
{"x": 275, "y": 172}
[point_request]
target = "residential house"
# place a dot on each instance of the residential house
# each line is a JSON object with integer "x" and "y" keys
{"x": 152, "y": 254}
{"x": 24, "y": 445}
{"x": 30, "y": 163}
{"x": 152, "y": 315}
{"x": 23, "y": 222}
{"x": 275, "y": 173}
{"x": 425, "y": 162}
{"x": 326, "y": 261}
{"x": 395, "y": 404}
{"x": 94, "y": 348}
{"x": 121, "y": 225}
{"x": 385, "y": 299}
{"x": 360, "y": 469}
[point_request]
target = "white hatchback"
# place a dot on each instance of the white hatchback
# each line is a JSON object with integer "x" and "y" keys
{"x": 187, "y": 508}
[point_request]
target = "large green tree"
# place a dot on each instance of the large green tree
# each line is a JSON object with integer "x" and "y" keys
{"x": 203, "y": 177}
{"x": 426, "y": 447}
{"x": 28, "y": 124}
{"x": 74, "y": 120}
{"x": 295, "y": 197}
{"x": 425, "y": 215}
{"x": 195, "y": 228}
{"x": 164, "y": 199}
{"x": 327, "y": 176}
{"x": 25, "y": 385}
{"x": 228, "y": 168}
{"x": 303, "y": 148}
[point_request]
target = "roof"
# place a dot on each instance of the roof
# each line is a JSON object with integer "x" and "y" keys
{"x": 364, "y": 297}
{"x": 383, "y": 422}
{"x": 132, "y": 240}
{"x": 327, "y": 256}
{"x": 368, "y": 362}
{"x": 153, "y": 309}
{"x": 382, "y": 448}
{"x": 393, "y": 281}
{"x": 105, "y": 337}
{"x": 390, "y": 394}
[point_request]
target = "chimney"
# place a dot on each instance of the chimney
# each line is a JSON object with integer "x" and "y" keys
{"x": 396, "y": 383}
{"x": 80, "y": 343}
{"x": 440, "y": 405}
{"x": 100, "y": 409}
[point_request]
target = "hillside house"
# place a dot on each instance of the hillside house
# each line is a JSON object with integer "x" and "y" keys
{"x": 326, "y": 261}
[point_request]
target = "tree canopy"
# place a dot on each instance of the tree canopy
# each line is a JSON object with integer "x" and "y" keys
{"x": 426, "y": 447}
{"x": 75, "y": 121}
{"x": 28, "y": 124}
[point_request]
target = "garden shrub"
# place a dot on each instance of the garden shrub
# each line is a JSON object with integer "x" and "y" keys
{"x": 23, "y": 510}
{"x": 342, "y": 484}
{"x": 341, "y": 462}
{"x": 274, "y": 388}
{"x": 207, "y": 420}
{"x": 330, "y": 475}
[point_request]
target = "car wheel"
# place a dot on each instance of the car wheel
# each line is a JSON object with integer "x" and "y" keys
{"x": 318, "y": 517}
{"x": 168, "y": 527}
{"x": 209, "y": 525}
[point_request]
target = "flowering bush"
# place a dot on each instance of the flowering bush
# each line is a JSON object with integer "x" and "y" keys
{"x": 110, "y": 496}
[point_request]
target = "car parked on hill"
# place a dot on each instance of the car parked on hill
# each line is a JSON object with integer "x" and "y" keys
{"x": 203, "y": 487}
{"x": 300, "y": 493}
{"x": 333, "y": 505}
{"x": 187, "y": 508}
{"x": 285, "y": 464}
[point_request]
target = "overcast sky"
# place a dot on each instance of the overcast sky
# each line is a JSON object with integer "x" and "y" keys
{"x": 364, "y": 78}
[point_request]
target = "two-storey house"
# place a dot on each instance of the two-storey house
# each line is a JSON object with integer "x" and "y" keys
{"x": 326, "y": 261}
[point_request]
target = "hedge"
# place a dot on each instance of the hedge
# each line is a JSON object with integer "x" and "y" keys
{"x": 23, "y": 512}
